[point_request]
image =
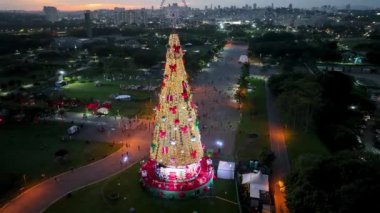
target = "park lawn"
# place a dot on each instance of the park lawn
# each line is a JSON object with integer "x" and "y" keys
{"x": 89, "y": 92}
{"x": 299, "y": 143}
{"x": 28, "y": 149}
{"x": 94, "y": 198}
{"x": 253, "y": 120}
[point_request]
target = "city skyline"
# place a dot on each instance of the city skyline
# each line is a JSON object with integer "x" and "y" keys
{"x": 72, "y": 5}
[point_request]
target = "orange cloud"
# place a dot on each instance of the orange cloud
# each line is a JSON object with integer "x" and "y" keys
{"x": 97, "y": 6}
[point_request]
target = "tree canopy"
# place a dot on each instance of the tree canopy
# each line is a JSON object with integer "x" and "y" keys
{"x": 323, "y": 102}
{"x": 346, "y": 182}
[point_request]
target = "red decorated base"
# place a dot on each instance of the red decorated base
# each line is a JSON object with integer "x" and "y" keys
{"x": 175, "y": 188}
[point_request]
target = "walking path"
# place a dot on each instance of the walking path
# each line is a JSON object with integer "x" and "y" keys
{"x": 281, "y": 165}
{"x": 41, "y": 196}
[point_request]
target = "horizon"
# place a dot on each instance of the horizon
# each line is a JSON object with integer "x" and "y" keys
{"x": 80, "y": 5}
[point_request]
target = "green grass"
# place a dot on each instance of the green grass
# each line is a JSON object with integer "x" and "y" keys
{"x": 253, "y": 120}
{"x": 94, "y": 198}
{"x": 89, "y": 92}
{"x": 299, "y": 143}
{"x": 29, "y": 149}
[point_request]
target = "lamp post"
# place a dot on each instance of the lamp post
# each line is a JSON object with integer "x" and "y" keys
{"x": 219, "y": 144}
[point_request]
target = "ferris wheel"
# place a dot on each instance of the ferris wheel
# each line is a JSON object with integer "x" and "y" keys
{"x": 163, "y": 2}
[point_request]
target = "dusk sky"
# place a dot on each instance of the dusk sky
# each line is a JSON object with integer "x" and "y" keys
{"x": 97, "y": 4}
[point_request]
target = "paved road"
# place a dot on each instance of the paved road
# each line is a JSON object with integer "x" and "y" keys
{"x": 41, "y": 196}
{"x": 218, "y": 112}
{"x": 281, "y": 163}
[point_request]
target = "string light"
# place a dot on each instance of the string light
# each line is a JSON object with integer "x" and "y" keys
{"x": 175, "y": 131}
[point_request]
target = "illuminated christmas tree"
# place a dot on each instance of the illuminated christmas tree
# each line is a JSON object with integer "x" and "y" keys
{"x": 177, "y": 167}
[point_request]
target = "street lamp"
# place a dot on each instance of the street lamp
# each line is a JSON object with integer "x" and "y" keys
{"x": 61, "y": 74}
{"x": 219, "y": 143}
{"x": 353, "y": 107}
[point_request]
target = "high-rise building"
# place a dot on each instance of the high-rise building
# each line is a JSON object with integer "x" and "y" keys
{"x": 88, "y": 23}
{"x": 348, "y": 7}
{"x": 120, "y": 15}
{"x": 143, "y": 16}
{"x": 290, "y": 6}
{"x": 177, "y": 167}
{"x": 254, "y": 6}
{"x": 51, "y": 13}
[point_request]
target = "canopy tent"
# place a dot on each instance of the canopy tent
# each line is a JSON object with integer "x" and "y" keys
{"x": 226, "y": 170}
{"x": 257, "y": 181}
{"x": 107, "y": 105}
{"x": 103, "y": 111}
{"x": 92, "y": 106}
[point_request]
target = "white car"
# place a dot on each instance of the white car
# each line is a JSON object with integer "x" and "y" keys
{"x": 123, "y": 97}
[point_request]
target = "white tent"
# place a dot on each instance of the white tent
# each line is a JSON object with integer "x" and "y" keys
{"x": 226, "y": 170}
{"x": 243, "y": 59}
{"x": 103, "y": 111}
{"x": 123, "y": 97}
{"x": 257, "y": 182}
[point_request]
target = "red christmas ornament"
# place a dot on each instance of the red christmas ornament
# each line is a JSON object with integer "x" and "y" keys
{"x": 165, "y": 150}
{"x": 176, "y": 48}
{"x": 176, "y": 121}
{"x": 173, "y": 67}
{"x": 193, "y": 154}
{"x": 169, "y": 98}
{"x": 185, "y": 95}
{"x": 162, "y": 133}
{"x": 184, "y": 129}
{"x": 173, "y": 109}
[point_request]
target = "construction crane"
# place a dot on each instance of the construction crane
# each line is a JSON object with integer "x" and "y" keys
{"x": 163, "y": 2}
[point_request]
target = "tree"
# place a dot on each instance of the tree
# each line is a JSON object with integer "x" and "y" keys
{"x": 146, "y": 58}
{"x": 299, "y": 98}
{"x": 346, "y": 182}
{"x": 176, "y": 149}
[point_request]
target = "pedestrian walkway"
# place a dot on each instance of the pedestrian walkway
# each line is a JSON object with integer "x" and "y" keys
{"x": 41, "y": 196}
